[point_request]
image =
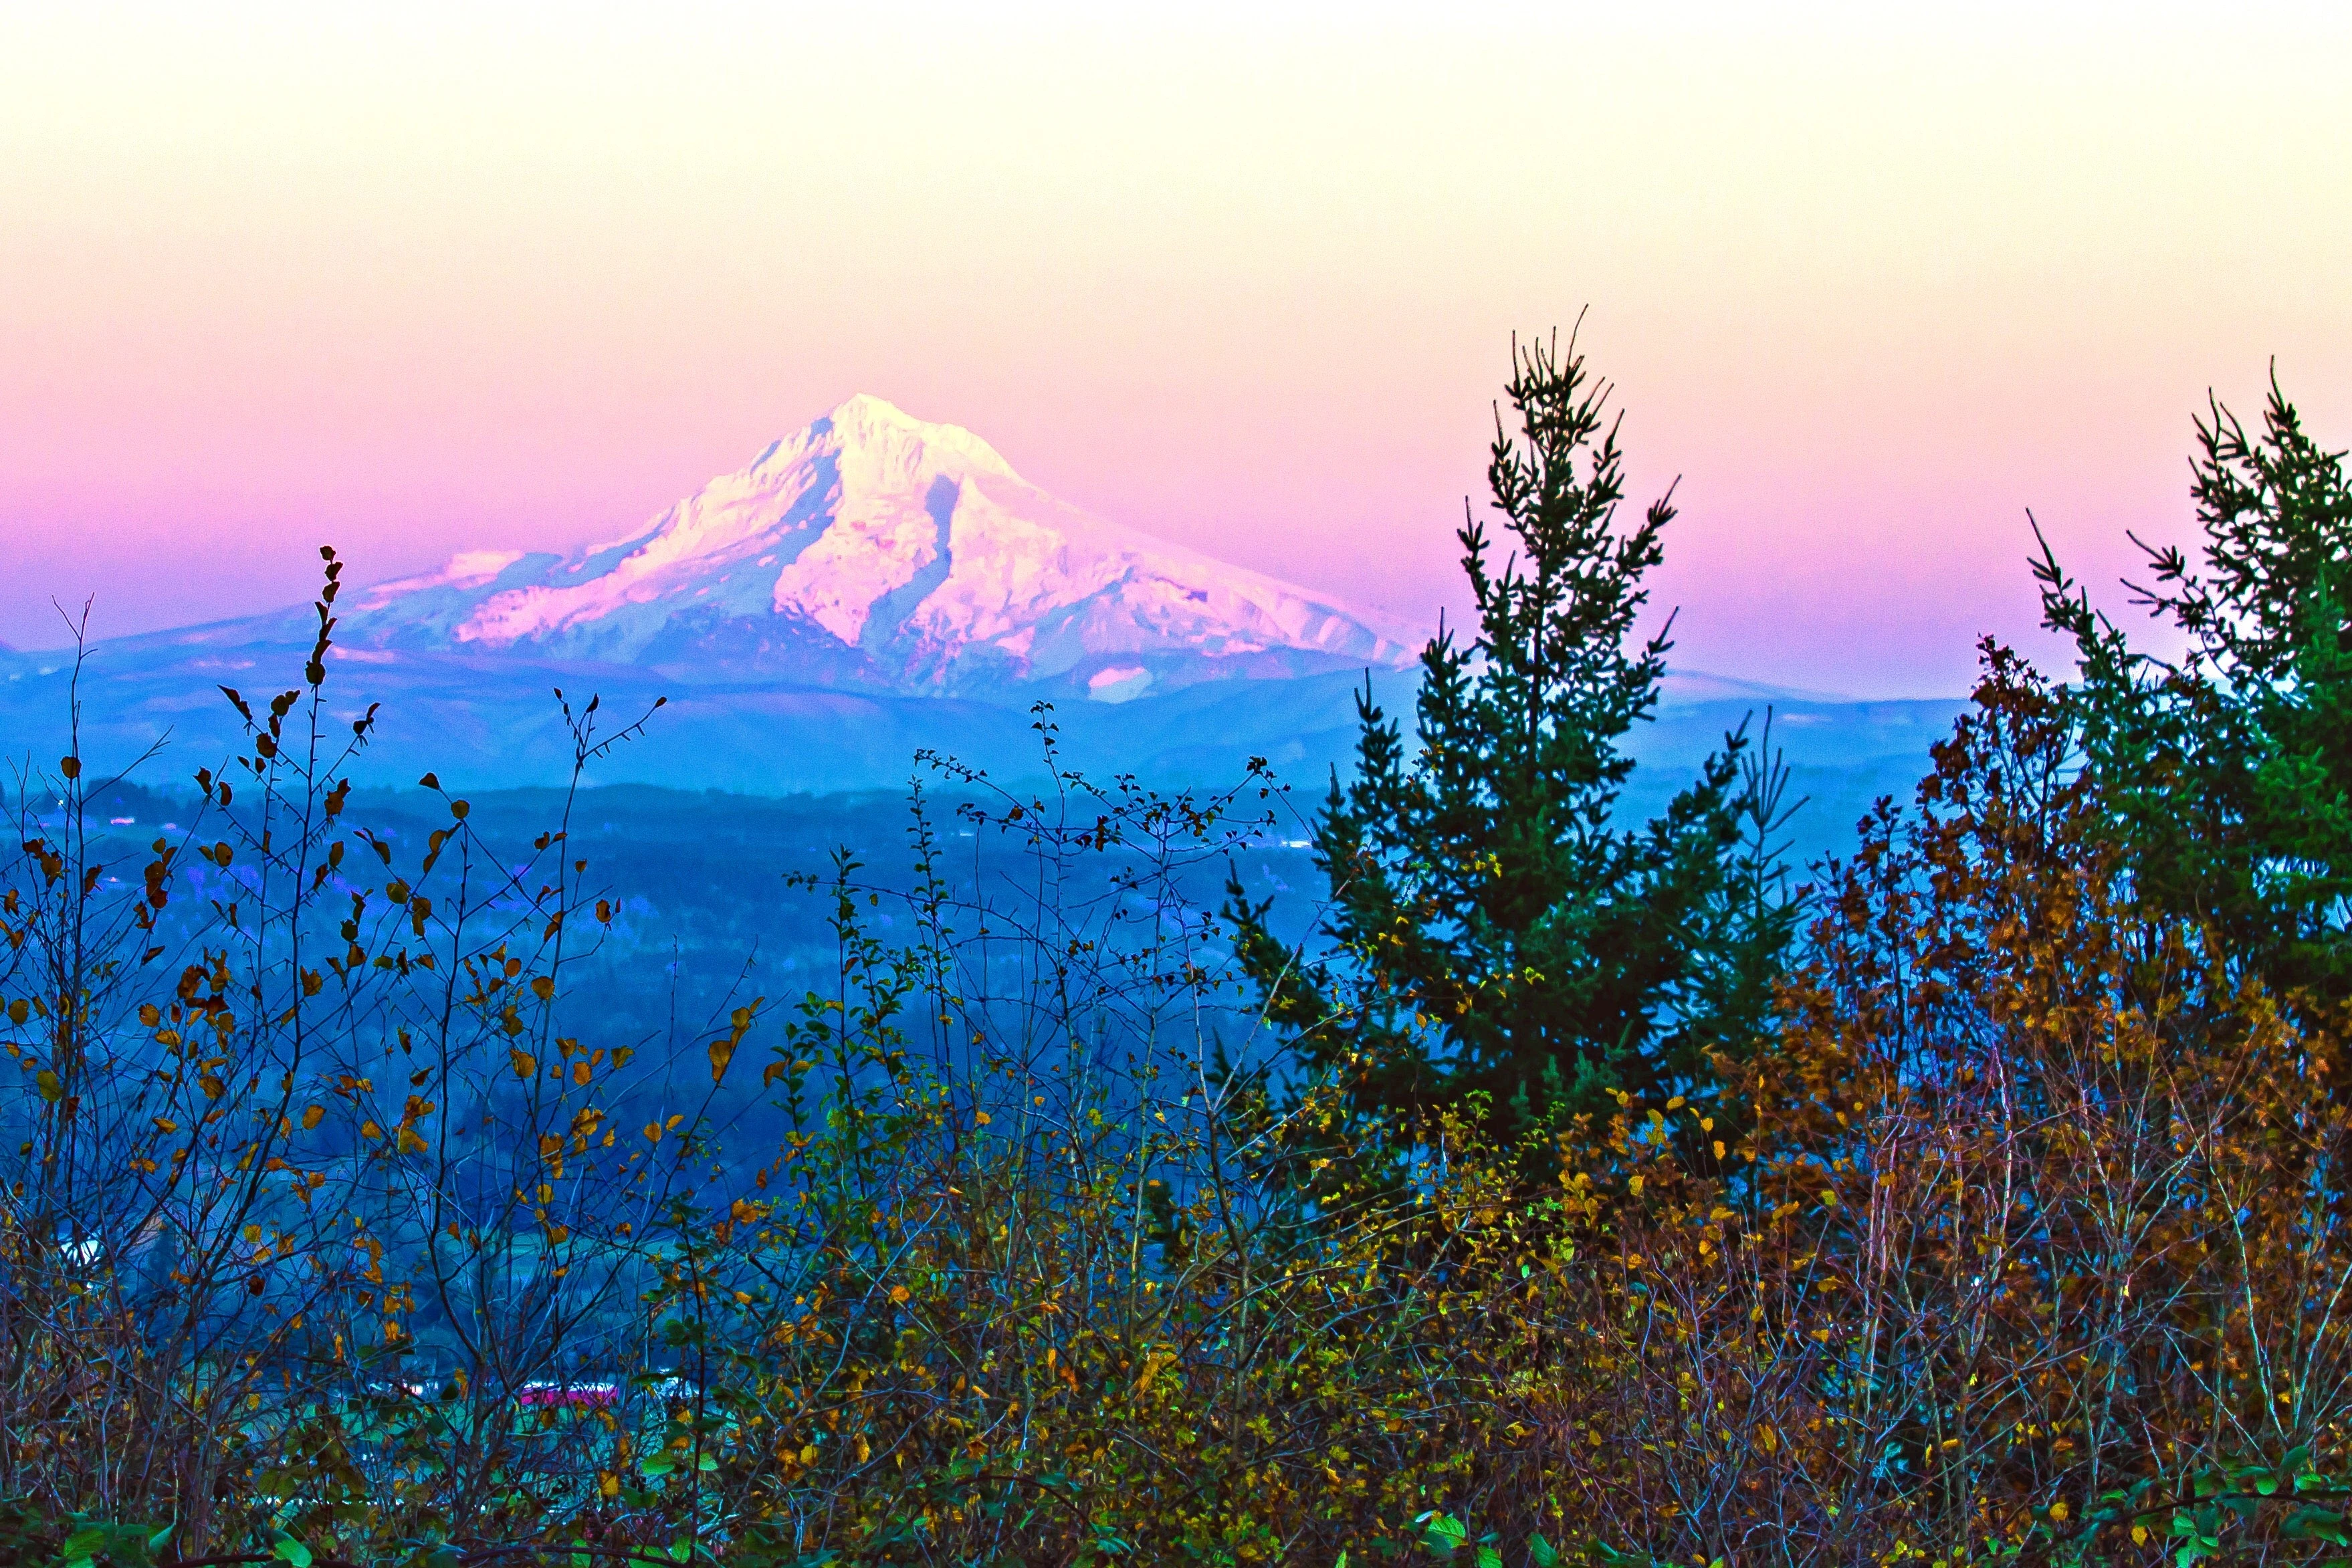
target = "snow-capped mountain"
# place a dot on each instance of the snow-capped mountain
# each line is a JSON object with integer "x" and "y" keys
{"x": 875, "y": 552}
{"x": 870, "y": 587}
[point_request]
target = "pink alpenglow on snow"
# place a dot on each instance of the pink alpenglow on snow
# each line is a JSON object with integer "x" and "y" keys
{"x": 879, "y": 549}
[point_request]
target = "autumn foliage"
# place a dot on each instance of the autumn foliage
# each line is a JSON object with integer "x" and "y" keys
{"x": 330, "y": 1236}
{"x": 2039, "y": 1247}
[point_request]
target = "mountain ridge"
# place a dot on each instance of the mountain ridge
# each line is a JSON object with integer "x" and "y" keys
{"x": 868, "y": 587}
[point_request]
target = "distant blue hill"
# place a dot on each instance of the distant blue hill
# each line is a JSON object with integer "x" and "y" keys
{"x": 491, "y": 721}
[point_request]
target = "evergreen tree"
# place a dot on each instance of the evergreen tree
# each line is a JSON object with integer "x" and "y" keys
{"x": 1499, "y": 933}
{"x": 2228, "y": 773}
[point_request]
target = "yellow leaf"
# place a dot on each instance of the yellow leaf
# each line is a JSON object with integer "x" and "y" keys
{"x": 312, "y": 1117}
{"x": 370, "y": 1131}
{"x": 524, "y": 1062}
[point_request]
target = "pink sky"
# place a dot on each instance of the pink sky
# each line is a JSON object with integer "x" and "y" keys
{"x": 442, "y": 283}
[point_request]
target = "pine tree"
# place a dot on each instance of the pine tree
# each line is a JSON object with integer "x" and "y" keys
{"x": 2228, "y": 773}
{"x": 1498, "y": 933}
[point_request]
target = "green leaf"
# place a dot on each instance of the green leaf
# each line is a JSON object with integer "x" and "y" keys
{"x": 2310, "y": 1524}
{"x": 708, "y": 1462}
{"x": 157, "y": 1541}
{"x": 1540, "y": 1553}
{"x": 660, "y": 1465}
{"x": 1442, "y": 1532}
{"x": 1489, "y": 1558}
{"x": 292, "y": 1550}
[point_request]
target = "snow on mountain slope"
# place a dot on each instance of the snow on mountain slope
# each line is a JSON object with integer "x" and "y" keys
{"x": 875, "y": 550}
{"x": 868, "y": 587}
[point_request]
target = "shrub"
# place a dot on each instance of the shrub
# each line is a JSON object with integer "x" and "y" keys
{"x": 2021, "y": 1237}
{"x": 2041, "y": 1247}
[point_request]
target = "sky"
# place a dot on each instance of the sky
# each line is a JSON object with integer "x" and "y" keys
{"x": 1870, "y": 286}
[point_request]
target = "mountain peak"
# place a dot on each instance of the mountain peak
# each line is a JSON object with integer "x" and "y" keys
{"x": 871, "y": 549}
{"x": 865, "y": 405}
{"x": 873, "y": 431}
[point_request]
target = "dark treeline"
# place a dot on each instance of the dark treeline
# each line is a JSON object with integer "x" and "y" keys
{"x": 1462, "y": 1162}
